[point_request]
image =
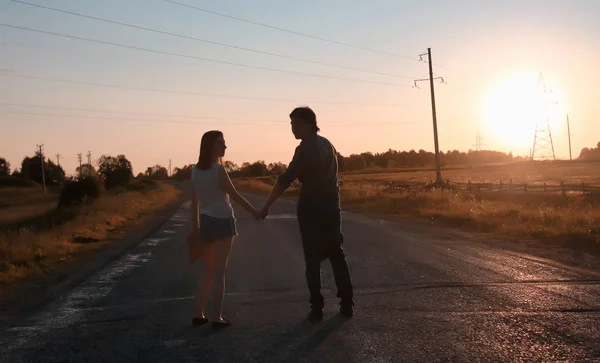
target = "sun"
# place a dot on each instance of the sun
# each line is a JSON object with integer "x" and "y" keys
{"x": 512, "y": 108}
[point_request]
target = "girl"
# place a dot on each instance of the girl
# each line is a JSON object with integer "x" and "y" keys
{"x": 214, "y": 225}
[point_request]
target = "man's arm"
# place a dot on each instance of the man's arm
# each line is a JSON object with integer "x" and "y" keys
{"x": 275, "y": 193}
{"x": 285, "y": 179}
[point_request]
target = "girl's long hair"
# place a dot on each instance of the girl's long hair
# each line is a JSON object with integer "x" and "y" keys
{"x": 206, "y": 148}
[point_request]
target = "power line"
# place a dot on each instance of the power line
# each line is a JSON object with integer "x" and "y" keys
{"x": 93, "y": 84}
{"x": 122, "y": 119}
{"x": 249, "y": 123}
{"x": 210, "y": 41}
{"x": 44, "y": 49}
{"x": 202, "y": 58}
{"x": 131, "y": 113}
{"x": 290, "y": 31}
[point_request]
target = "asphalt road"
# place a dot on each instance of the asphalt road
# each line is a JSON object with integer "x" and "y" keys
{"x": 421, "y": 295}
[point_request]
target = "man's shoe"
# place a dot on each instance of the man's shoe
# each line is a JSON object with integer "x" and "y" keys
{"x": 315, "y": 315}
{"x": 347, "y": 311}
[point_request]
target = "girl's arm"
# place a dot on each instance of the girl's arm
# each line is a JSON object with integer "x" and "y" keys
{"x": 228, "y": 187}
{"x": 194, "y": 208}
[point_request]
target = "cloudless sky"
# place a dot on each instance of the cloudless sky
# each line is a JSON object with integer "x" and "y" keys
{"x": 489, "y": 53}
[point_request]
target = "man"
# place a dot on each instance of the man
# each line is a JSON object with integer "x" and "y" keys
{"x": 318, "y": 211}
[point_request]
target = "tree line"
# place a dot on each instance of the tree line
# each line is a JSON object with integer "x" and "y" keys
{"x": 117, "y": 171}
{"x": 367, "y": 160}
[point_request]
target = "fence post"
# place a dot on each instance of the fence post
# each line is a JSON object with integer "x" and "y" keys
{"x": 582, "y": 188}
{"x": 525, "y": 188}
{"x": 545, "y": 188}
{"x": 500, "y": 186}
{"x": 510, "y": 185}
{"x": 562, "y": 189}
{"x": 469, "y": 183}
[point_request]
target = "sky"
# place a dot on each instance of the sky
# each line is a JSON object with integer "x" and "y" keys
{"x": 153, "y": 103}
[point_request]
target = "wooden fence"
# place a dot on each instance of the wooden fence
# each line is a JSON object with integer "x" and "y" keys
{"x": 502, "y": 186}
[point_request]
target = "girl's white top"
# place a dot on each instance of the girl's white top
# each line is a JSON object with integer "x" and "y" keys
{"x": 213, "y": 200}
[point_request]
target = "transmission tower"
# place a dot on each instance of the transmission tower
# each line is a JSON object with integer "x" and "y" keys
{"x": 478, "y": 141}
{"x": 543, "y": 147}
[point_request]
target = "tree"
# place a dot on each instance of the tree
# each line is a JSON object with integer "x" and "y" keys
{"x": 341, "y": 162}
{"x": 258, "y": 168}
{"x": 230, "y": 166}
{"x": 355, "y": 162}
{"x": 116, "y": 171}
{"x": 184, "y": 173}
{"x": 157, "y": 172}
{"x": 276, "y": 168}
{"x": 31, "y": 168}
{"x": 4, "y": 167}
{"x": 86, "y": 170}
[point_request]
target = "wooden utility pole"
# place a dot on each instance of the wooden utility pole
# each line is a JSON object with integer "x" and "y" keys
{"x": 569, "y": 131}
{"x": 438, "y": 168}
{"x": 89, "y": 161}
{"x": 58, "y": 159}
{"x": 41, "y": 151}
{"x": 79, "y": 158}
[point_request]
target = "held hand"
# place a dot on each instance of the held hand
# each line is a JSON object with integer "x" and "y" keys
{"x": 263, "y": 212}
{"x": 256, "y": 215}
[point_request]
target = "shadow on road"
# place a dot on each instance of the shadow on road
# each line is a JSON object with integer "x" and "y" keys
{"x": 304, "y": 346}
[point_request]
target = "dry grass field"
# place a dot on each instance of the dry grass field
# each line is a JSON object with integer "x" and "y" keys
{"x": 36, "y": 237}
{"x": 519, "y": 172}
{"x": 23, "y": 203}
{"x": 572, "y": 219}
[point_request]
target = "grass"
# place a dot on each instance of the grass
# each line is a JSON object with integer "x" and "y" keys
{"x": 20, "y": 203}
{"x": 571, "y": 220}
{"x": 520, "y": 172}
{"x": 43, "y": 246}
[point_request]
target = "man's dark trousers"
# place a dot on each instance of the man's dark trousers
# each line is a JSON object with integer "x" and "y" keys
{"x": 322, "y": 238}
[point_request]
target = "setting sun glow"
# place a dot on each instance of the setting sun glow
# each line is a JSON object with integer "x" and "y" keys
{"x": 512, "y": 108}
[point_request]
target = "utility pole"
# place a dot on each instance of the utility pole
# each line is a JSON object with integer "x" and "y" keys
{"x": 80, "y": 169}
{"x": 438, "y": 170}
{"x": 58, "y": 159}
{"x": 169, "y": 168}
{"x": 569, "y": 131}
{"x": 41, "y": 151}
{"x": 89, "y": 161}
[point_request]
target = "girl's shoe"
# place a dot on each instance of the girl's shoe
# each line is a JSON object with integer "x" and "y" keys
{"x": 199, "y": 321}
{"x": 221, "y": 324}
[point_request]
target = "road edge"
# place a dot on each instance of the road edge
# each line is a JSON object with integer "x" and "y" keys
{"x": 34, "y": 297}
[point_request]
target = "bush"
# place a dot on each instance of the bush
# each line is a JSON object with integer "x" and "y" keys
{"x": 80, "y": 191}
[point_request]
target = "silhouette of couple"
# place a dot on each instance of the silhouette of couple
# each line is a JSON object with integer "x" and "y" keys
{"x": 318, "y": 212}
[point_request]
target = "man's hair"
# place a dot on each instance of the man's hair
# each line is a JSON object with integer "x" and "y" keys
{"x": 307, "y": 115}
